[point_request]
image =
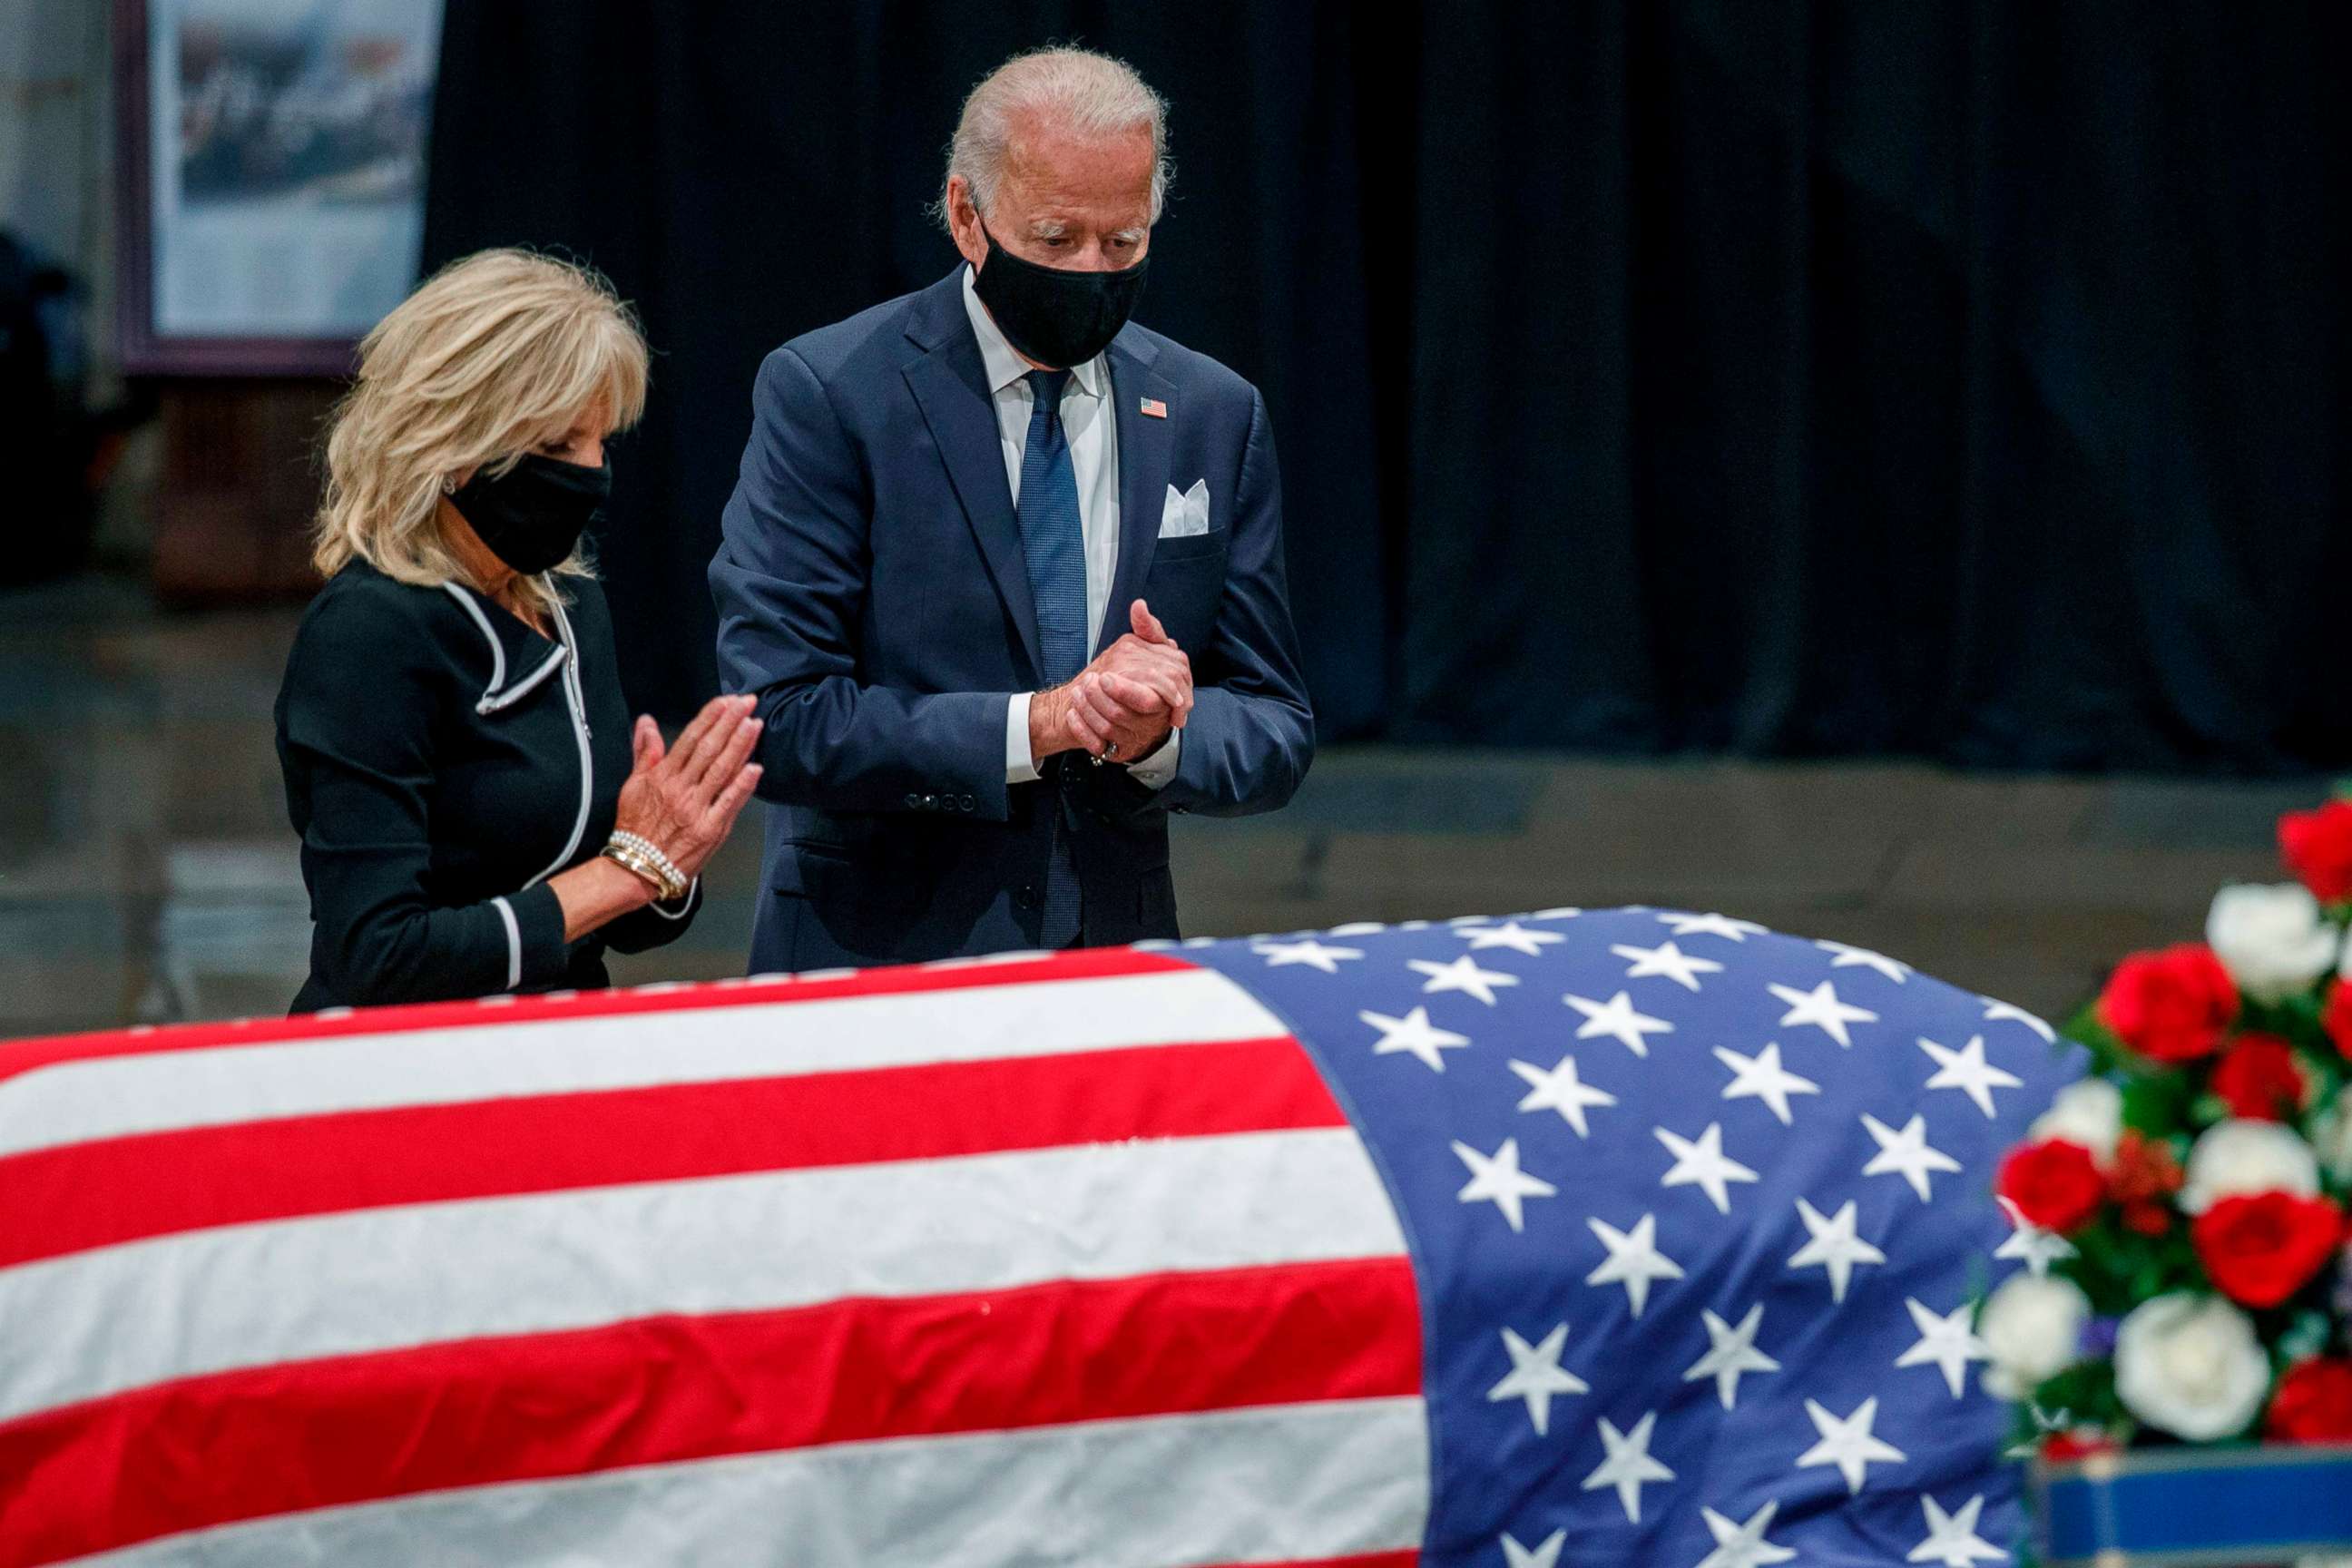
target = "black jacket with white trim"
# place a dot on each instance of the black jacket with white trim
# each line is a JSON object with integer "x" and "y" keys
{"x": 442, "y": 759}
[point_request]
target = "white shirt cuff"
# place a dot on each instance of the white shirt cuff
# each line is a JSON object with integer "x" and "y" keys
{"x": 1156, "y": 770}
{"x": 1018, "y": 767}
{"x": 1153, "y": 772}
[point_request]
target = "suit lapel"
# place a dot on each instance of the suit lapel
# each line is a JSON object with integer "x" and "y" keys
{"x": 1143, "y": 458}
{"x": 950, "y": 386}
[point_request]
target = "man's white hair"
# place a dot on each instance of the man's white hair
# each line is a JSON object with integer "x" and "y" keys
{"x": 1078, "y": 90}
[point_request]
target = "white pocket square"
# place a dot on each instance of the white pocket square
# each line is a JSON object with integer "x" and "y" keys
{"x": 1186, "y": 512}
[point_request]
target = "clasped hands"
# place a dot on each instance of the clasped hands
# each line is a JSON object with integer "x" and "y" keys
{"x": 1124, "y": 705}
{"x": 683, "y": 798}
{"x": 679, "y": 798}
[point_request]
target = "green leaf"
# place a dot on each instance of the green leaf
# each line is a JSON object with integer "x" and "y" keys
{"x": 2159, "y": 1103}
{"x": 2108, "y": 1053}
{"x": 2086, "y": 1390}
{"x": 2306, "y": 1336}
{"x": 2297, "y": 1018}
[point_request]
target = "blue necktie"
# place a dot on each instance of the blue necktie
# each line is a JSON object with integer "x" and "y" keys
{"x": 1055, "y": 545}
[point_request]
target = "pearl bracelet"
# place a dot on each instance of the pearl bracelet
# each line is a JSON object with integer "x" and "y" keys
{"x": 641, "y": 854}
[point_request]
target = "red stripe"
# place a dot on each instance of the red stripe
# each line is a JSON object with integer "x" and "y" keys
{"x": 99, "y": 1194}
{"x": 23, "y": 1056}
{"x": 249, "y": 1444}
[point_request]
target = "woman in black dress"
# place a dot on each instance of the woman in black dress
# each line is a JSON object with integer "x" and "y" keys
{"x": 478, "y": 813}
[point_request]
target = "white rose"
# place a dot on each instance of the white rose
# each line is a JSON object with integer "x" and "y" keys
{"x": 2032, "y": 1328}
{"x": 2090, "y": 1112}
{"x": 2191, "y": 1365}
{"x": 2233, "y": 1157}
{"x": 2272, "y": 940}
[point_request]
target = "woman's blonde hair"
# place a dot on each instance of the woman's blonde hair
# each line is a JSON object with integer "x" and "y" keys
{"x": 492, "y": 355}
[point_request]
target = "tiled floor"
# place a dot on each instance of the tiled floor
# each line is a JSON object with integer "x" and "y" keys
{"x": 147, "y": 872}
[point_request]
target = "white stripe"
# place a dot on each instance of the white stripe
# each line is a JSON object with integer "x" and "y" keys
{"x": 514, "y": 942}
{"x": 576, "y": 703}
{"x": 1281, "y": 1483}
{"x": 497, "y": 652}
{"x": 525, "y": 687}
{"x": 123, "y": 1317}
{"x": 109, "y": 1097}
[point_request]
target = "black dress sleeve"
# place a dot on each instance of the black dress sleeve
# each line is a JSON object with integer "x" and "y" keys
{"x": 655, "y": 925}
{"x": 360, "y": 710}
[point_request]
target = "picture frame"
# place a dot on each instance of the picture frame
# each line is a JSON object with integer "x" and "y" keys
{"x": 271, "y": 176}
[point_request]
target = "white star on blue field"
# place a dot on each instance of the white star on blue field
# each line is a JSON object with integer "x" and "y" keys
{"x": 1702, "y": 1216}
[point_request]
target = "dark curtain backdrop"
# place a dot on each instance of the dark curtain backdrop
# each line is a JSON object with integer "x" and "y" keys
{"x": 1957, "y": 379}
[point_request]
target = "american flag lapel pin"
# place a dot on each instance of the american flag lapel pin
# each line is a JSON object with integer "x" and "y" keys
{"x": 1154, "y": 409}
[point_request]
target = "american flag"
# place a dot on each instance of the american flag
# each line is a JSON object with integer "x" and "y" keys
{"x": 1630, "y": 1236}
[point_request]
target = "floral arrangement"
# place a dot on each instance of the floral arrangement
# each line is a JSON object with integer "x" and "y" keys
{"x": 2183, "y": 1210}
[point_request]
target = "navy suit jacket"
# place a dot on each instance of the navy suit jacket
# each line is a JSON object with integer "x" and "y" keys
{"x": 873, "y": 594}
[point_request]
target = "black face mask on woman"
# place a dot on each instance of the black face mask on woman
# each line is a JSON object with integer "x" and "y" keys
{"x": 1057, "y": 318}
{"x": 532, "y": 516}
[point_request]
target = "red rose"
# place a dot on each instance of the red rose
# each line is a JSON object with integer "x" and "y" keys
{"x": 2147, "y": 1218}
{"x": 2338, "y": 1018}
{"x": 2054, "y": 1183}
{"x": 2260, "y": 1079}
{"x": 2314, "y": 1403}
{"x": 2317, "y": 846}
{"x": 2173, "y": 1005}
{"x": 2081, "y": 1443}
{"x": 2262, "y": 1248}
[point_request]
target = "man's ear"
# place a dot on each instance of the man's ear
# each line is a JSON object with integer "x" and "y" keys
{"x": 964, "y": 222}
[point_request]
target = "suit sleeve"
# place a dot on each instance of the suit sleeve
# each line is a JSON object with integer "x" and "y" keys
{"x": 359, "y": 717}
{"x": 1252, "y": 735}
{"x": 788, "y": 584}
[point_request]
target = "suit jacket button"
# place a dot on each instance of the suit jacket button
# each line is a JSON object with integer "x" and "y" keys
{"x": 914, "y": 801}
{"x": 930, "y": 802}
{"x": 1025, "y": 897}
{"x": 968, "y": 803}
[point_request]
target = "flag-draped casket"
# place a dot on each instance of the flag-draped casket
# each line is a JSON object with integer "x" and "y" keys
{"x": 1622, "y": 1237}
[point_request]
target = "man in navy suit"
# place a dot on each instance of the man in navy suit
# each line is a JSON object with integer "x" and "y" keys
{"x": 1005, "y": 571}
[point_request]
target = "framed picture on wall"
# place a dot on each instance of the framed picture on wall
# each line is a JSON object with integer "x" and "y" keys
{"x": 273, "y": 169}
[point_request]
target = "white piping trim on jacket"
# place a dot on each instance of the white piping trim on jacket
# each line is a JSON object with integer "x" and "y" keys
{"x": 497, "y": 652}
{"x": 685, "y": 905}
{"x": 523, "y": 688}
{"x": 577, "y": 704}
{"x": 514, "y": 942}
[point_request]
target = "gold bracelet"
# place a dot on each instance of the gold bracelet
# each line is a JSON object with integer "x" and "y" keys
{"x": 644, "y": 869}
{"x": 635, "y": 865}
{"x": 652, "y": 852}
{"x": 673, "y": 884}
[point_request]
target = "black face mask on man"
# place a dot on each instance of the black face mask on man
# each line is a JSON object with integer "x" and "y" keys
{"x": 1057, "y": 317}
{"x": 532, "y": 516}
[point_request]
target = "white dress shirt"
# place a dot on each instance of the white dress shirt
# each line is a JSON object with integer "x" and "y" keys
{"x": 1091, "y": 428}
